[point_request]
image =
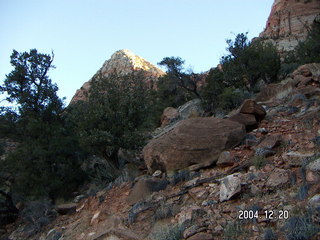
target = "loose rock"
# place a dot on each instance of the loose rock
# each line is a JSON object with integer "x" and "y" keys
{"x": 230, "y": 186}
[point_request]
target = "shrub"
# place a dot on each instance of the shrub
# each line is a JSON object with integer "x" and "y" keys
{"x": 308, "y": 51}
{"x": 36, "y": 215}
{"x": 183, "y": 176}
{"x": 164, "y": 211}
{"x": 259, "y": 161}
{"x": 172, "y": 232}
{"x": 287, "y": 68}
{"x": 159, "y": 185}
{"x": 269, "y": 235}
{"x": 300, "y": 227}
{"x": 232, "y": 98}
{"x": 233, "y": 230}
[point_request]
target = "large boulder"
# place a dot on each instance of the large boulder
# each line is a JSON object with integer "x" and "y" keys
{"x": 194, "y": 141}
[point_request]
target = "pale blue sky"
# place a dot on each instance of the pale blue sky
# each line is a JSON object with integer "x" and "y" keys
{"x": 85, "y": 33}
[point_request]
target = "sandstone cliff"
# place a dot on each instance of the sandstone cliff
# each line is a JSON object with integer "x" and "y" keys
{"x": 122, "y": 62}
{"x": 289, "y": 22}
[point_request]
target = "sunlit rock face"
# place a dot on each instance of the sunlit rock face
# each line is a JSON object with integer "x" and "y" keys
{"x": 124, "y": 62}
{"x": 121, "y": 63}
{"x": 289, "y": 22}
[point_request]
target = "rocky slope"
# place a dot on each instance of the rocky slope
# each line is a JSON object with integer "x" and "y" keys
{"x": 122, "y": 62}
{"x": 267, "y": 187}
{"x": 289, "y": 22}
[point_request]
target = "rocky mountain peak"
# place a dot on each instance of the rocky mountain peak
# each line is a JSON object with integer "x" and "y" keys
{"x": 124, "y": 61}
{"x": 121, "y": 63}
{"x": 289, "y": 22}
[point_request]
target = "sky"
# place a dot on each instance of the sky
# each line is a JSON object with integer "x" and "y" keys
{"x": 84, "y": 33}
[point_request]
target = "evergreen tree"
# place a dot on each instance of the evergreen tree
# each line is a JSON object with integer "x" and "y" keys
{"x": 247, "y": 62}
{"x": 177, "y": 86}
{"x": 47, "y": 159}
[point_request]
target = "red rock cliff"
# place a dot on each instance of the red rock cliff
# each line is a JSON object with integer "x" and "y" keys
{"x": 289, "y": 22}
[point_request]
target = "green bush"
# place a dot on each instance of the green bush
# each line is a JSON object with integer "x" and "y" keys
{"x": 288, "y": 65}
{"x": 44, "y": 167}
{"x": 170, "y": 94}
{"x": 259, "y": 161}
{"x": 308, "y": 51}
{"x": 231, "y": 98}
